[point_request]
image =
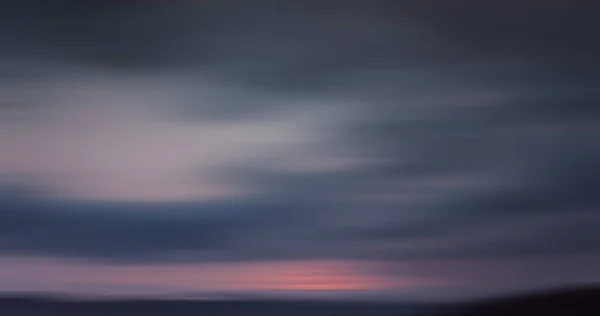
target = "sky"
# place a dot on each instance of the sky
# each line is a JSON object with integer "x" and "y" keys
{"x": 349, "y": 149}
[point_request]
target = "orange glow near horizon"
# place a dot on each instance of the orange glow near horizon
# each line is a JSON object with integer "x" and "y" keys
{"x": 335, "y": 275}
{"x": 269, "y": 276}
{"x": 306, "y": 276}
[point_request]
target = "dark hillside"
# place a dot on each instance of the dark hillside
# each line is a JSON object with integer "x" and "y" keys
{"x": 575, "y": 302}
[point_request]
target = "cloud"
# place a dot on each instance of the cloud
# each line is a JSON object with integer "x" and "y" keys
{"x": 344, "y": 132}
{"x": 100, "y": 135}
{"x": 120, "y": 230}
{"x": 298, "y": 215}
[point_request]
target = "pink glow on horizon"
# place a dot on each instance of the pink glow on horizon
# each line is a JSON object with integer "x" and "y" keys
{"x": 112, "y": 279}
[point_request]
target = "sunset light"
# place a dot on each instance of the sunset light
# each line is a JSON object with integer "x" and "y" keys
{"x": 200, "y": 157}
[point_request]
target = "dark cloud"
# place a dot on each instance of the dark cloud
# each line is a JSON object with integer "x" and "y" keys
{"x": 33, "y": 224}
{"x": 543, "y": 28}
{"x": 344, "y": 48}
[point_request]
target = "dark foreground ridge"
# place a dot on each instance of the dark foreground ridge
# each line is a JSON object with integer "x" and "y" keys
{"x": 58, "y": 307}
{"x": 580, "y": 302}
{"x": 572, "y": 302}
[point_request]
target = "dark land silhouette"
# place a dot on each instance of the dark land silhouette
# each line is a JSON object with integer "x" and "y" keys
{"x": 571, "y": 302}
{"x": 575, "y": 302}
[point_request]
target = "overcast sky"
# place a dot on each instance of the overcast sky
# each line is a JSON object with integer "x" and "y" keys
{"x": 403, "y": 148}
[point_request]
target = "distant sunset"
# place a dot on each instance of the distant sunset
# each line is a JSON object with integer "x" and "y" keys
{"x": 109, "y": 279}
{"x": 381, "y": 149}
